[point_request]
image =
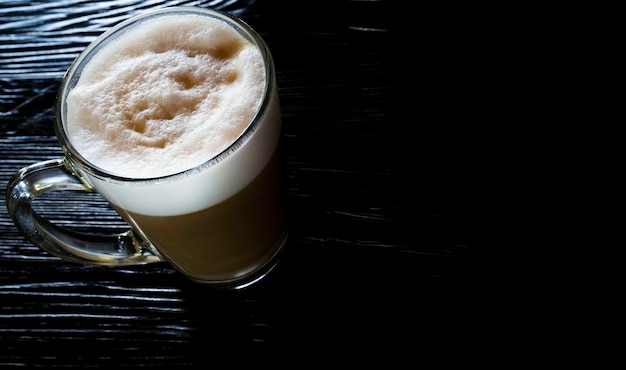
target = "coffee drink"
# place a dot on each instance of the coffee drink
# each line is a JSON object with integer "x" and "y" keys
{"x": 227, "y": 240}
{"x": 178, "y": 117}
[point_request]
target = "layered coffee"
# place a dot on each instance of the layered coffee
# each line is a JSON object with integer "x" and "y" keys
{"x": 181, "y": 113}
{"x": 228, "y": 240}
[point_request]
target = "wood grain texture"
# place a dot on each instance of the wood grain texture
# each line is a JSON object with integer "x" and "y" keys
{"x": 389, "y": 261}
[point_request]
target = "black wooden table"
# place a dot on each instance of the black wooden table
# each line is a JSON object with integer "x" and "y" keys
{"x": 390, "y": 257}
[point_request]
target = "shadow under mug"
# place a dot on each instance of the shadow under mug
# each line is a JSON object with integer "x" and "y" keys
{"x": 222, "y": 223}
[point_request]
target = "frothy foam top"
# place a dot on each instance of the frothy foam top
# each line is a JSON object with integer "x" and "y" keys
{"x": 166, "y": 96}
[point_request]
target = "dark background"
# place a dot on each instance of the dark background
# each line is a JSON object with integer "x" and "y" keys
{"x": 391, "y": 121}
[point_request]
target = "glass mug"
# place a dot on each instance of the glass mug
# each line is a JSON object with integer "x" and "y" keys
{"x": 222, "y": 223}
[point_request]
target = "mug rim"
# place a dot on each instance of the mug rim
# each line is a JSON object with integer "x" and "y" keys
{"x": 60, "y": 107}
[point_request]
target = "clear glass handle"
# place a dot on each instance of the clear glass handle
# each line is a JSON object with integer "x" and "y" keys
{"x": 37, "y": 179}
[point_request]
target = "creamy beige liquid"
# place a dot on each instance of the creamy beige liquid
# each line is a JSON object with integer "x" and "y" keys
{"x": 166, "y": 96}
{"x": 229, "y": 239}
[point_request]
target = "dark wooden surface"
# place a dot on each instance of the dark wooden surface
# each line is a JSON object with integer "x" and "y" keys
{"x": 390, "y": 262}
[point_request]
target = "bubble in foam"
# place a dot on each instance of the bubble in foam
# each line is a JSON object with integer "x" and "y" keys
{"x": 165, "y": 96}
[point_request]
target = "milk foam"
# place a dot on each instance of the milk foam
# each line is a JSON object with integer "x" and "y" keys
{"x": 165, "y": 96}
{"x": 131, "y": 113}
